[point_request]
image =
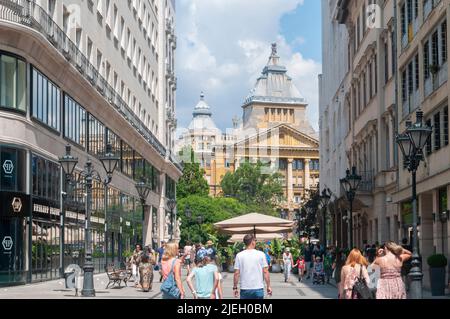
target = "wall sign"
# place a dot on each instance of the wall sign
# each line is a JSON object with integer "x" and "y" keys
{"x": 16, "y": 205}
{"x": 7, "y": 243}
{"x": 8, "y": 167}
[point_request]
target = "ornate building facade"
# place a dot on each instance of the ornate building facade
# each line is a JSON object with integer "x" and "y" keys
{"x": 377, "y": 74}
{"x": 274, "y": 130}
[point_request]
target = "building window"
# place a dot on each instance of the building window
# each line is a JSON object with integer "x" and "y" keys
{"x": 429, "y": 144}
{"x": 96, "y": 137}
{"x": 314, "y": 165}
{"x": 437, "y": 131}
{"x": 445, "y": 125}
{"x": 45, "y": 178}
{"x": 426, "y": 60}
{"x": 74, "y": 121}
{"x": 12, "y": 83}
{"x": 298, "y": 165}
{"x": 127, "y": 160}
{"x": 46, "y": 101}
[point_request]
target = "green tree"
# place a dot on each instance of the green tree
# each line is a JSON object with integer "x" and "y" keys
{"x": 252, "y": 186}
{"x": 192, "y": 181}
{"x": 211, "y": 210}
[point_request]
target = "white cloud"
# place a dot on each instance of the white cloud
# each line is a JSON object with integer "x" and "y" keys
{"x": 223, "y": 47}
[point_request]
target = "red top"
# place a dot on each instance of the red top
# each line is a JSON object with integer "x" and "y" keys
{"x": 300, "y": 263}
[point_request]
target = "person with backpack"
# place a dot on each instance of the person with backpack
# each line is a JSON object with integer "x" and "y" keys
{"x": 172, "y": 286}
{"x": 355, "y": 268}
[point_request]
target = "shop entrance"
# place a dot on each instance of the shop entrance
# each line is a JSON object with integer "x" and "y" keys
{"x": 45, "y": 251}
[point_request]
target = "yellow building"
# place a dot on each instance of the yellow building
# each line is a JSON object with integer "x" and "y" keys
{"x": 274, "y": 130}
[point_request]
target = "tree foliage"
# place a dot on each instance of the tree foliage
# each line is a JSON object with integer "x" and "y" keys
{"x": 192, "y": 181}
{"x": 211, "y": 210}
{"x": 252, "y": 186}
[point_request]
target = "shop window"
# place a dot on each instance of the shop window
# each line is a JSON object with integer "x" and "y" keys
{"x": 45, "y": 178}
{"x": 12, "y": 83}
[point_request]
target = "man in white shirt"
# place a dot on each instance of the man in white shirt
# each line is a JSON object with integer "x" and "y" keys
{"x": 252, "y": 269}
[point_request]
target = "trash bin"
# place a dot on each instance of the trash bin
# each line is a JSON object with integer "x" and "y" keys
{"x": 69, "y": 277}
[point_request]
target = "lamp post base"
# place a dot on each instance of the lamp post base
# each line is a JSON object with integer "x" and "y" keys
{"x": 88, "y": 281}
{"x": 415, "y": 275}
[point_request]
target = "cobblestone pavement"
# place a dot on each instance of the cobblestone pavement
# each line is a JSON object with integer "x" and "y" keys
{"x": 56, "y": 289}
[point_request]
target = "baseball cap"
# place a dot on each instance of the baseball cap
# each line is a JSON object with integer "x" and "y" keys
{"x": 202, "y": 253}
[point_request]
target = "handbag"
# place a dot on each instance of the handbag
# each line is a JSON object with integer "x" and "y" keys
{"x": 169, "y": 286}
{"x": 360, "y": 288}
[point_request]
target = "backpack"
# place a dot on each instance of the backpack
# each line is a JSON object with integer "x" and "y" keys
{"x": 360, "y": 288}
{"x": 169, "y": 286}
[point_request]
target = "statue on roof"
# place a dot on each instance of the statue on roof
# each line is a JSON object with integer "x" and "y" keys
{"x": 274, "y": 49}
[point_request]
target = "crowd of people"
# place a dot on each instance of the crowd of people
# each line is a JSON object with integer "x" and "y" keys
{"x": 251, "y": 269}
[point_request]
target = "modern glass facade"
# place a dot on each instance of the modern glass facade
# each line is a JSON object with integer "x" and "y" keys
{"x": 33, "y": 237}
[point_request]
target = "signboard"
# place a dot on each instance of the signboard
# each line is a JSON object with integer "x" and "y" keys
{"x": 16, "y": 204}
{"x": 7, "y": 243}
{"x": 8, "y": 167}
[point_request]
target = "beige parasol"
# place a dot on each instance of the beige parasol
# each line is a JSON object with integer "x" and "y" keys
{"x": 262, "y": 237}
{"x": 255, "y": 223}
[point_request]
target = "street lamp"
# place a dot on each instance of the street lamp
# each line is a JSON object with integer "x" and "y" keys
{"x": 350, "y": 184}
{"x": 109, "y": 162}
{"x": 325, "y": 200}
{"x": 171, "y": 204}
{"x": 68, "y": 163}
{"x": 411, "y": 144}
{"x": 143, "y": 190}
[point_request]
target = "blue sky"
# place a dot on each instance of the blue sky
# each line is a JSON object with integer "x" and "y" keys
{"x": 223, "y": 45}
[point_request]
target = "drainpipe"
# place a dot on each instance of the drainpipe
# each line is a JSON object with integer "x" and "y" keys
{"x": 396, "y": 157}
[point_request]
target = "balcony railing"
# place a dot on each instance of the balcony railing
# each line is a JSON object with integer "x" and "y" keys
{"x": 30, "y": 14}
{"x": 436, "y": 80}
{"x": 367, "y": 181}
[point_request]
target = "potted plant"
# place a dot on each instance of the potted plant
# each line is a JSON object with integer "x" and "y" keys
{"x": 438, "y": 264}
{"x": 277, "y": 251}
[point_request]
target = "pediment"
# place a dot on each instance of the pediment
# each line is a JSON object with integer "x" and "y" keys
{"x": 281, "y": 136}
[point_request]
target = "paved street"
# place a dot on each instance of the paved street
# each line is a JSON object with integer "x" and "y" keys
{"x": 56, "y": 289}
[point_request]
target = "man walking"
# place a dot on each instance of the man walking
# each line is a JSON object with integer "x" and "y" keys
{"x": 160, "y": 255}
{"x": 252, "y": 269}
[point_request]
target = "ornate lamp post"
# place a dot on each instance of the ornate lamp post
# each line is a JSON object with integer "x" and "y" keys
{"x": 171, "y": 204}
{"x": 325, "y": 200}
{"x": 411, "y": 144}
{"x": 109, "y": 162}
{"x": 350, "y": 184}
{"x": 143, "y": 190}
{"x": 68, "y": 163}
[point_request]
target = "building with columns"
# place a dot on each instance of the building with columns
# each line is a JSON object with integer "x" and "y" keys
{"x": 274, "y": 130}
{"x": 380, "y": 73}
{"x": 88, "y": 74}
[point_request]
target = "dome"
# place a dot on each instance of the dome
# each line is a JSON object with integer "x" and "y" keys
{"x": 202, "y": 120}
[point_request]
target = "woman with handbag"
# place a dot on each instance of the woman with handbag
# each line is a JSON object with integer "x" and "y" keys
{"x": 353, "y": 273}
{"x": 172, "y": 286}
{"x": 390, "y": 260}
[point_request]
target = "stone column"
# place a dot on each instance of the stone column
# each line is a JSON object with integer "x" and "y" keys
{"x": 147, "y": 226}
{"x": 307, "y": 176}
{"x": 162, "y": 208}
{"x": 237, "y": 163}
{"x": 290, "y": 182}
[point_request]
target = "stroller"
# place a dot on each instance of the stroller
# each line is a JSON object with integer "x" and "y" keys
{"x": 318, "y": 272}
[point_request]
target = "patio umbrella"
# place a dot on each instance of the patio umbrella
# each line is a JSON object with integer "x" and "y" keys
{"x": 255, "y": 223}
{"x": 263, "y": 237}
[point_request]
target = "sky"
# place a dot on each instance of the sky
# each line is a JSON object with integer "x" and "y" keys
{"x": 223, "y": 46}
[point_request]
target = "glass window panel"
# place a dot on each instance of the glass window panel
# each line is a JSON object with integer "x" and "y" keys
{"x": 44, "y": 101}
{"x": 21, "y": 85}
{"x": 35, "y": 93}
{"x": 8, "y": 81}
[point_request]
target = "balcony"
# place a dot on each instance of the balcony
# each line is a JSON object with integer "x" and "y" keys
{"x": 436, "y": 79}
{"x": 367, "y": 181}
{"x": 29, "y": 14}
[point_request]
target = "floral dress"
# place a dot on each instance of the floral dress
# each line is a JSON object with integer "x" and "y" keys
{"x": 349, "y": 282}
{"x": 390, "y": 284}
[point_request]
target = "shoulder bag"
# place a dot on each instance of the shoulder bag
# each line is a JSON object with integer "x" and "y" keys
{"x": 169, "y": 286}
{"x": 360, "y": 288}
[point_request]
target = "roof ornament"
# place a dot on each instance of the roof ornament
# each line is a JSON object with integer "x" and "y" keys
{"x": 202, "y": 96}
{"x": 274, "y": 49}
